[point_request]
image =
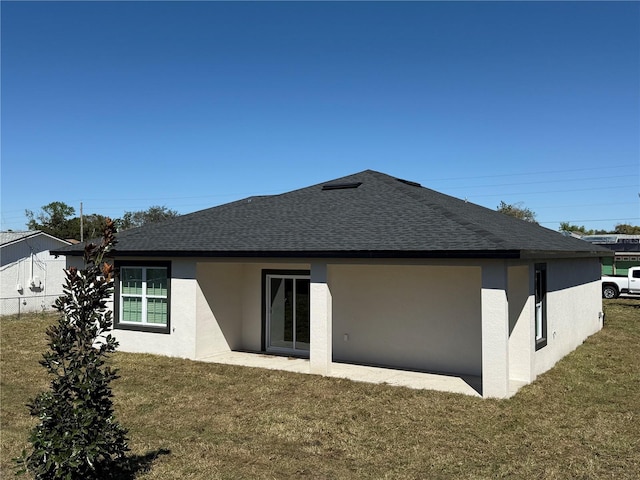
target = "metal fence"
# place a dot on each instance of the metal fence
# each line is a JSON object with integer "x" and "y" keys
{"x": 20, "y": 305}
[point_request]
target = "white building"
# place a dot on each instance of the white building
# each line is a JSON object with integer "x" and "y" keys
{"x": 367, "y": 269}
{"x": 30, "y": 277}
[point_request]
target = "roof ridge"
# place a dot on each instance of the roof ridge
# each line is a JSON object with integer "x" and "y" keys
{"x": 14, "y": 237}
{"x": 383, "y": 216}
{"x": 410, "y": 191}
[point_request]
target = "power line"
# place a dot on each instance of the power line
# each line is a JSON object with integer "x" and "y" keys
{"x": 560, "y": 180}
{"x": 547, "y": 172}
{"x": 504, "y": 194}
{"x": 424, "y": 182}
{"x": 592, "y": 220}
{"x": 174, "y": 205}
{"x": 206, "y": 199}
{"x": 586, "y": 205}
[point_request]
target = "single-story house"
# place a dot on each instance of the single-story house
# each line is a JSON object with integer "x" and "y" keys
{"x": 626, "y": 250}
{"x": 30, "y": 277}
{"x": 367, "y": 269}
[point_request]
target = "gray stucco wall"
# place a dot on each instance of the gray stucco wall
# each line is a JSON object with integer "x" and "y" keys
{"x": 22, "y": 260}
{"x": 420, "y": 317}
{"x": 574, "y": 306}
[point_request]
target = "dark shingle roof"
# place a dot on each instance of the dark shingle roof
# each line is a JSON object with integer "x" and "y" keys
{"x": 368, "y": 214}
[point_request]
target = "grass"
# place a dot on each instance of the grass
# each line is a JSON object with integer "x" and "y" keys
{"x": 191, "y": 420}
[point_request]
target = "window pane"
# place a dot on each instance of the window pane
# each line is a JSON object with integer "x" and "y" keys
{"x": 539, "y": 320}
{"x": 157, "y": 281}
{"x": 540, "y": 307}
{"x": 131, "y": 309}
{"x": 144, "y": 293}
{"x": 157, "y": 311}
{"x": 280, "y": 332}
{"x": 131, "y": 279}
{"x": 302, "y": 314}
{"x": 288, "y": 310}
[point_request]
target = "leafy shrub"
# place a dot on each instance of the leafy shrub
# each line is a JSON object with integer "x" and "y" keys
{"x": 77, "y": 436}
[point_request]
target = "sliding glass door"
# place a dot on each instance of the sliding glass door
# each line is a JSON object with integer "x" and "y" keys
{"x": 287, "y": 314}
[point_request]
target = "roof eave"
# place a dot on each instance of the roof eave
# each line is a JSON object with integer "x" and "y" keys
{"x": 33, "y": 234}
{"x": 551, "y": 254}
{"x": 452, "y": 254}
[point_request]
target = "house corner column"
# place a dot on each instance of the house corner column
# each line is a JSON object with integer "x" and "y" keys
{"x": 184, "y": 288}
{"x": 320, "y": 351}
{"x": 495, "y": 331}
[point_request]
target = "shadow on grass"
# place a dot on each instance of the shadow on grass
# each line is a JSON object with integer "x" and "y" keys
{"x": 630, "y": 305}
{"x": 131, "y": 466}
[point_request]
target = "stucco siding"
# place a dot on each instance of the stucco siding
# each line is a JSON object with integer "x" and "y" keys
{"x": 521, "y": 328}
{"x": 23, "y": 261}
{"x": 219, "y": 308}
{"x": 574, "y": 305}
{"x": 417, "y": 317}
{"x": 229, "y": 305}
{"x": 252, "y": 308}
{"x": 180, "y": 342}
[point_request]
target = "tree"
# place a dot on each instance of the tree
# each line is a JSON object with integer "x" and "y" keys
{"x": 77, "y": 436}
{"x": 142, "y": 217}
{"x": 518, "y": 211}
{"x": 57, "y": 219}
{"x": 92, "y": 225}
{"x": 627, "y": 229}
{"x": 569, "y": 227}
{"x": 53, "y": 219}
{"x": 621, "y": 228}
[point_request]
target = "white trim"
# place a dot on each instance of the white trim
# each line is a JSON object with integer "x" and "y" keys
{"x": 144, "y": 296}
{"x": 32, "y": 234}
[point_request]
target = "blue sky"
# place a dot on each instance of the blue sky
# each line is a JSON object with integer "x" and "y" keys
{"x": 125, "y": 105}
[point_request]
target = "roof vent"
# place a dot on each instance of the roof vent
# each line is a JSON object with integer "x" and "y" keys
{"x": 409, "y": 182}
{"x": 341, "y": 186}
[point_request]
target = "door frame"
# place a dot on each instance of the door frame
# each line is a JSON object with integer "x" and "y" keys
{"x": 266, "y": 275}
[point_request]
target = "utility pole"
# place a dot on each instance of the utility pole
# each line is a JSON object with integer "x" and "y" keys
{"x": 81, "y": 225}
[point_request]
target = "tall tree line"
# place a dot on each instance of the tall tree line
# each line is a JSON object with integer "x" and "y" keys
{"x": 60, "y": 220}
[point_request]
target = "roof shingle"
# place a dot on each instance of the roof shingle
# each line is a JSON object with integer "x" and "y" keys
{"x": 378, "y": 216}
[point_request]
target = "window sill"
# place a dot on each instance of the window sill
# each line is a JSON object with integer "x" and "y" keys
{"x": 142, "y": 328}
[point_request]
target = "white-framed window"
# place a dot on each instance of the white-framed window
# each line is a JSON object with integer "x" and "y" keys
{"x": 143, "y": 297}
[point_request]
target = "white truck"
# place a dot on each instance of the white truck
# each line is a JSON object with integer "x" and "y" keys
{"x": 612, "y": 287}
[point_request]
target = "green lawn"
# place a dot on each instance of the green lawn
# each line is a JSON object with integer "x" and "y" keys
{"x": 190, "y": 420}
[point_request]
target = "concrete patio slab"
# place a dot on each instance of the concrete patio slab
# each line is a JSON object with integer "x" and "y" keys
{"x": 467, "y": 385}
